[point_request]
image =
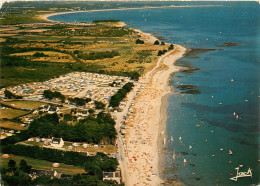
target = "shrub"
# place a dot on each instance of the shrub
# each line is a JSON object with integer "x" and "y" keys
{"x": 139, "y": 41}
{"x": 157, "y": 42}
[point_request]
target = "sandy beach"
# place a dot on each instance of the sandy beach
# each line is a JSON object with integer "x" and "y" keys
{"x": 143, "y": 138}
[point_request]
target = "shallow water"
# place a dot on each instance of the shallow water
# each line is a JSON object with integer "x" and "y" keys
{"x": 212, "y": 109}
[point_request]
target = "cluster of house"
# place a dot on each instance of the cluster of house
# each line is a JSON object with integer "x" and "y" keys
{"x": 7, "y": 132}
{"x": 70, "y": 84}
{"x": 47, "y": 108}
{"x": 34, "y": 173}
{"x": 98, "y": 87}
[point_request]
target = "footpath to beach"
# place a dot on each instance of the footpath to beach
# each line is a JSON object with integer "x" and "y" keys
{"x": 139, "y": 151}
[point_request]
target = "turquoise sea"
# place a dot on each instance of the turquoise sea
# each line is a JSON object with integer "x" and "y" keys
{"x": 226, "y": 80}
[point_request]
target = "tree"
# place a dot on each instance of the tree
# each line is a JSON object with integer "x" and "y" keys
{"x": 91, "y": 111}
{"x": 10, "y": 95}
{"x": 39, "y": 54}
{"x": 99, "y": 105}
{"x": 24, "y": 167}
{"x": 12, "y": 165}
{"x": 139, "y": 41}
{"x": 157, "y": 42}
{"x": 162, "y": 43}
{"x": 171, "y": 47}
{"x": 76, "y": 52}
{"x": 93, "y": 169}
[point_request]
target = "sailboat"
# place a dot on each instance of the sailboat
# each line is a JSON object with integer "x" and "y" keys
{"x": 173, "y": 155}
{"x": 230, "y": 152}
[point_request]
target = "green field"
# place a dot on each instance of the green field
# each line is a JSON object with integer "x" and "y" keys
{"x": 42, "y": 164}
{"x": 24, "y": 104}
{"x": 12, "y": 113}
{"x": 11, "y": 125}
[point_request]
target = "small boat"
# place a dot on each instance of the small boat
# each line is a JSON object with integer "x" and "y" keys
{"x": 234, "y": 114}
{"x": 164, "y": 141}
{"x": 184, "y": 161}
{"x": 232, "y": 80}
{"x": 171, "y": 138}
{"x": 230, "y": 152}
{"x": 162, "y": 133}
{"x": 190, "y": 146}
{"x": 242, "y": 174}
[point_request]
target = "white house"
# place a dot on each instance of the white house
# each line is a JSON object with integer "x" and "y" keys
{"x": 53, "y": 110}
{"x": 114, "y": 176}
{"x": 57, "y": 142}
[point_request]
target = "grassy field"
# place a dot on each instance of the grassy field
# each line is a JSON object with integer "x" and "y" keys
{"x": 65, "y": 46}
{"x": 109, "y": 149}
{"x": 11, "y": 125}
{"x": 11, "y": 113}
{"x": 42, "y": 164}
{"x": 50, "y": 56}
{"x": 24, "y": 104}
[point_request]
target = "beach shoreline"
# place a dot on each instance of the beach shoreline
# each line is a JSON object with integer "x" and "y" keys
{"x": 146, "y": 136}
{"x": 45, "y": 17}
{"x": 139, "y": 151}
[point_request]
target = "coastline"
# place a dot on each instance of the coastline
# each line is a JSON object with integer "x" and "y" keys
{"x": 148, "y": 121}
{"x": 139, "y": 151}
{"x": 46, "y": 16}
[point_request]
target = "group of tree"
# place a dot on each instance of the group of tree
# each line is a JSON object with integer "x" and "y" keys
{"x": 98, "y": 55}
{"x": 39, "y": 54}
{"x": 16, "y": 175}
{"x": 139, "y": 41}
{"x": 161, "y": 52}
{"x": 22, "y": 166}
{"x": 157, "y": 42}
{"x": 48, "y": 94}
{"x": 120, "y": 95}
{"x": 99, "y": 105}
{"x": 90, "y": 130}
{"x": 79, "y": 101}
{"x": 171, "y": 47}
{"x": 10, "y": 95}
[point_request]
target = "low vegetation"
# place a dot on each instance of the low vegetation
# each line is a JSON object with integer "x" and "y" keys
{"x": 48, "y": 94}
{"x": 98, "y": 55}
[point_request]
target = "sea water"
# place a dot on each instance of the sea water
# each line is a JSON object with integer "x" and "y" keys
{"x": 226, "y": 81}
